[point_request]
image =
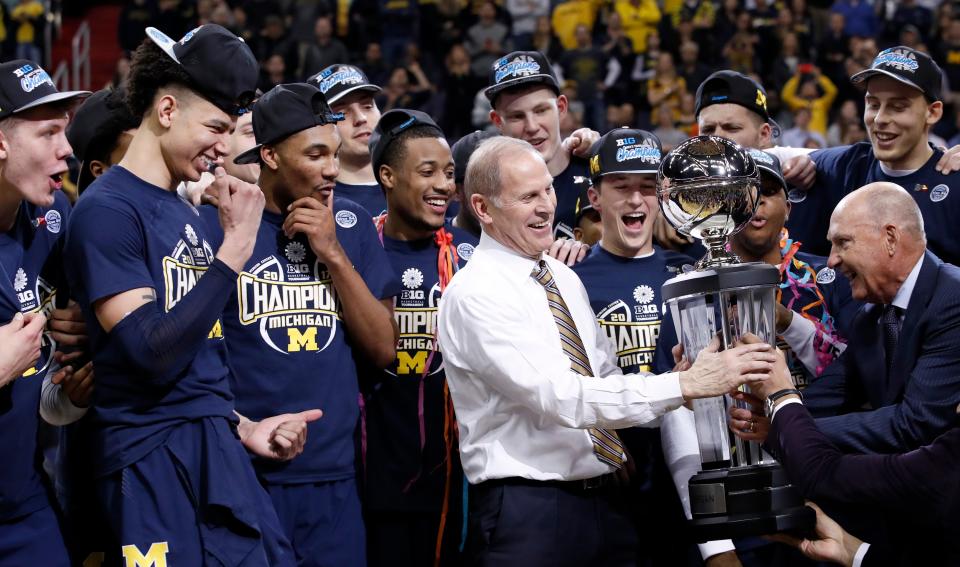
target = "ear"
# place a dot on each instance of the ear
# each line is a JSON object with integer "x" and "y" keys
{"x": 562, "y": 105}
{"x": 388, "y": 177}
{"x": 496, "y": 119}
{"x": 481, "y": 208}
{"x": 934, "y": 112}
{"x": 97, "y": 168}
{"x": 166, "y": 109}
{"x": 786, "y": 217}
{"x": 891, "y": 238}
{"x": 578, "y": 234}
{"x": 270, "y": 157}
{"x": 4, "y": 146}
{"x": 766, "y": 135}
{"x": 594, "y": 195}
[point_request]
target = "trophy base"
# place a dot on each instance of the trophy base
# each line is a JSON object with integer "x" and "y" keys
{"x": 746, "y": 501}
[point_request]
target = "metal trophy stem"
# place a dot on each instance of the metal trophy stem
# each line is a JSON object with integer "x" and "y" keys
{"x": 709, "y": 189}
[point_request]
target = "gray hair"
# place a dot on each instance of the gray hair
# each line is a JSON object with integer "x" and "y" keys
{"x": 483, "y": 169}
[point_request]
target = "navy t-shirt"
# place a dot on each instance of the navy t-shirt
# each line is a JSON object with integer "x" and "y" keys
{"x": 31, "y": 269}
{"x": 129, "y": 234}
{"x": 568, "y": 186}
{"x": 287, "y": 347}
{"x": 369, "y": 196}
{"x": 844, "y": 169}
{"x": 393, "y": 456}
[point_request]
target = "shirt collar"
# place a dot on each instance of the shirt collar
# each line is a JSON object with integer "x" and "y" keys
{"x": 902, "y": 298}
{"x": 513, "y": 263}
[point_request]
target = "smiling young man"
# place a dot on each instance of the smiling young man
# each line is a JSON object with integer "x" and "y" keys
{"x": 527, "y": 105}
{"x": 173, "y": 475}
{"x": 33, "y": 218}
{"x": 312, "y": 298}
{"x": 904, "y": 99}
{"x": 413, "y": 480}
{"x": 349, "y": 91}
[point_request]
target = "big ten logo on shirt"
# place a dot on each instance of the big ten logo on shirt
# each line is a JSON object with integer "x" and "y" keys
{"x": 415, "y": 310}
{"x": 183, "y": 267}
{"x": 34, "y": 294}
{"x": 291, "y": 297}
{"x": 633, "y": 326}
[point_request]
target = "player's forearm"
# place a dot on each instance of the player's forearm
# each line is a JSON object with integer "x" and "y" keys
{"x": 236, "y": 250}
{"x": 369, "y": 322}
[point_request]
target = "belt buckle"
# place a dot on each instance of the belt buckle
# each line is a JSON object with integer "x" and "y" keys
{"x": 593, "y": 483}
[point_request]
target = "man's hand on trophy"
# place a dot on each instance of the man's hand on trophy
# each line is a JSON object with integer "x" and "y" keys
{"x": 779, "y": 378}
{"x": 716, "y": 373}
{"x": 748, "y": 423}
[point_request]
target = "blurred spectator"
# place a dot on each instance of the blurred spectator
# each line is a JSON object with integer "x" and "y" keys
{"x": 174, "y": 17}
{"x": 407, "y": 87}
{"x": 849, "y": 114}
{"x": 273, "y": 72}
{"x": 833, "y": 48}
{"x": 567, "y": 15}
{"x": 909, "y": 13}
{"x": 458, "y": 87}
{"x": 910, "y": 36}
{"x": 487, "y": 40}
{"x": 573, "y": 119}
{"x": 802, "y": 24}
{"x": 666, "y": 87}
{"x": 620, "y": 115}
{"x": 222, "y": 15}
{"x": 257, "y": 11}
{"x": 948, "y": 57}
{"x": 688, "y": 115}
{"x": 545, "y": 41}
{"x": 28, "y": 22}
{"x": 240, "y": 24}
{"x": 300, "y": 15}
{"x": 800, "y": 135}
{"x": 670, "y": 136}
{"x": 120, "y": 72}
{"x": 856, "y": 132}
{"x": 374, "y": 65}
{"x": 859, "y": 17}
{"x": 696, "y": 18}
{"x": 400, "y": 25}
{"x": 413, "y": 58}
{"x": 588, "y": 66}
{"x": 525, "y": 14}
{"x": 692, "y": 69}
{"x": 640, "y": 19}
{"x": 273, "y": 40}
{"x": 480, "y": 116}
{"x": 739, "y": 52}
{"x": 325, "y": 50}
{"x": 810, "y": 89}
{"x": 617, "y": 46}
{"x": 725, "y": 27}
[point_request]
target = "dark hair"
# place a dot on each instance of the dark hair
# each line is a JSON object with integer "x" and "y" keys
{"x": 108, "y": 132}
{"x": 396, "y": 152}
{"x": 150, "y": 70}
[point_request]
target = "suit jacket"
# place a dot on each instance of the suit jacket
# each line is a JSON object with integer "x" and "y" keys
{"x": 919, "y": 490}
{"x": 918, "y": 401}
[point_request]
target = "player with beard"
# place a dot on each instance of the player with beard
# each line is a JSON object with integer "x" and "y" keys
{"x": 33, "y": 217}
{"x": 315, "y": 295}
{"x": 173, "y": 475}
{"x": 349, "y": 91}
{"x": 413, "y": 480}
{"x": 527, "y": 104}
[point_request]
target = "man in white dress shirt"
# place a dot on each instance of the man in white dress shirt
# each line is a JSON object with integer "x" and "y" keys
{"x": 536, "y": 386}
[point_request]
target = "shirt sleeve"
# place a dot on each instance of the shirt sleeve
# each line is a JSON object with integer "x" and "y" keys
{"x": 799, "y": 335}
{"x": 495, "y": 344}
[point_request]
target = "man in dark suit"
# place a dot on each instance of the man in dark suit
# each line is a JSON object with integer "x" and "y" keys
{"x": 901, "y": 362}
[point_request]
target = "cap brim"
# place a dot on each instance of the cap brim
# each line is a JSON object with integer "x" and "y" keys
{"x": 774, "y": 174}
{"x": 163, "y": 41}
{"x": 544, "y": 79}
{"x": 644, "y": 171}
{"x": 250, "y": 156}
{"x": 374, "y": 89}
{"x": 865, "y": 75}
{"x": 55, "y": 97}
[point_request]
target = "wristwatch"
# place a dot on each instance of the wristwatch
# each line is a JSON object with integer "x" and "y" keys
{"x": 772, "y": 398}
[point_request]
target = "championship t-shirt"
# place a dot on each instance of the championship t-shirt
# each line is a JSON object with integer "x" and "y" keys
{"x": 848, "y": 168}
{"x": 287, "y": 346}
{"x": 129, "y": 234}
{"x": 568, "y": 185}
{"x": 393, "y": 455}
{"x": 368, "y": 195}
{"x": 31, "y": 272}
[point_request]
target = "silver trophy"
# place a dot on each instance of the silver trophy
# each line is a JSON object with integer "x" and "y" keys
{"x": 709, "y": 188}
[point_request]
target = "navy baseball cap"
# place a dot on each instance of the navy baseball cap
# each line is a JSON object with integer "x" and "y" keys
{"x": 769, "y": 165}
{"x": 908, "y": 66}
{"x": 25, "y": 85}
{"x": 337, "y": 81}
{"x": 584, "y": 205}
{"x": 99, "y": 121}
{"x": 283, "y": 111}
{"x": 220, "y": 64}
{"x": 391, "y": 125}
{"x": 462, "y": 151}
{"x": 730, "y": 87}
{"x": 520, "y": 68}
{"x": 625, "y": 150}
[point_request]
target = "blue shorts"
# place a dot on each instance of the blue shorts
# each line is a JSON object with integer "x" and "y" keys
{"x": 194, "y": 500}
{"x": 33, "y": 539}
{"x": 323, "y": 521}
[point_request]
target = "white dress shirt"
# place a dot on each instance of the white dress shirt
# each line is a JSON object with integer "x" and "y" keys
{"x": 522, "y": 411}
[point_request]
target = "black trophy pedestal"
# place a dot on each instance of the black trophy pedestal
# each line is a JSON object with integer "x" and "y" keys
{"x": 746, "y": 501}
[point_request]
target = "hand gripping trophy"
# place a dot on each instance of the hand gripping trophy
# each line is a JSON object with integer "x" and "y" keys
{"x": 708, "y": 188}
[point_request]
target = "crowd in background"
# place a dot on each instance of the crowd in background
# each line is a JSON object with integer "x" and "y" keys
{"x": 622, "y": 62}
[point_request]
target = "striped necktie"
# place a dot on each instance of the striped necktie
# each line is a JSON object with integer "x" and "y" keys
{"x": 606, "y": 444}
